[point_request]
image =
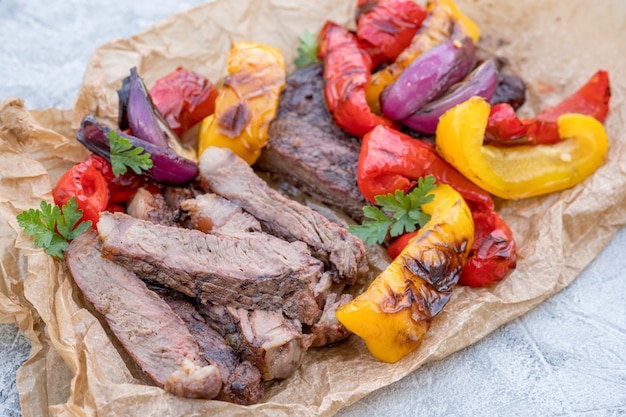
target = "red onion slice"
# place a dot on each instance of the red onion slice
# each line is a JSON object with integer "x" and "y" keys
{"x": 168, "y": 167}
{"x": 137, "y": 112}
{"x": 141, "y": 118}
{"x": 480, "y": 82}
{"x": 428, "y": 76}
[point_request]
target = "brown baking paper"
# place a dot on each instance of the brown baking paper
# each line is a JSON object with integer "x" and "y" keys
{"x": 76, "y": 370}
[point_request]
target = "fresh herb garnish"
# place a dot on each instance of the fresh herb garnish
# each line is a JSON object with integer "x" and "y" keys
{"x": 52, "y": 227}
{"x": 405, "y": 213}
{"x": 307, "y": 50}
{"x": 124, "y": 155}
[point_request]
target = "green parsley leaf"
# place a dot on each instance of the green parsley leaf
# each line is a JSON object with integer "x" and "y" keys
{"x": 404, "y": 213}
{"x": 52, "y": 227}
{"x": 307, "y": 50}
{"x": 374, "y": 231}
{"x": 124, "y": 155}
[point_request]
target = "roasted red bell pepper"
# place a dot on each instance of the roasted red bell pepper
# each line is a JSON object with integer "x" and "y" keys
{"x": 386, "y": 27}
{"x": 123, "y": 187}
{"x": 493, "y": 252}
{"x": 347, "y": 70}
{"x": 96, "y": 187}
{"x": 86, "y": 182}
{"x": 390, "y": 161}
{"x": 395, "y": 247}
{"x": 504, "y": 128}
{"x": 184, "y": 98}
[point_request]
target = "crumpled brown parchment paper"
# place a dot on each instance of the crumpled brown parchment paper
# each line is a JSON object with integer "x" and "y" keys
{"x": 76, "y": 370}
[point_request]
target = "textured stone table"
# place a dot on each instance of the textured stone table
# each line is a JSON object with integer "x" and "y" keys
{"x": 565, "y": 358}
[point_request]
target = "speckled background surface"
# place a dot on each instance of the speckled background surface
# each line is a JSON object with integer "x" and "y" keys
{"x": 565, "y": 358}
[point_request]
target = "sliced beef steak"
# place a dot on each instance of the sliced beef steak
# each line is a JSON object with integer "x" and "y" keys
{"x": 307, "y": 148}
{"x": 176, "y": 195}
{"x": 241, "y": 381}
{"x": 145, "y": 325}
{"x": 274, "y": 343}
{"x": 224, "y": 173}
{"x": 328, "y": 330}
{"x": 248, "y": 270}
{"x": 151, "y": 207}
{"x": 212, "y": 213}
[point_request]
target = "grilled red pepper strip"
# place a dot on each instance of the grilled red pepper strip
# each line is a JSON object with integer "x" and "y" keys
{"x": 495, "y": 253}
{"x": 96, "y": 187}
{"x": 390, "y": 161}
{"x": 386, "y": 27}
{"x": 85, "y": 182}
{"x": 504, "y": 128}
{"x": 184, "y": 98}
{"x": 347, "y": 70}
{"x": 123, "y": 187}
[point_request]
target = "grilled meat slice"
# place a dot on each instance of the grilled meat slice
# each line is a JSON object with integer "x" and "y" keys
{"x": 307, "y": 149}
{"x": 241, "y": 381}
{"x": 176, "y": 195}
{"x": 328, "y": 330}
{"x": 151, "y": 207}
{"x": 248, "y": 270}
{"x": 272, "y": 342}
{"x": 145, "y": 325}
{"x": 212, "y": 213}
{"x": 224, "y": 173}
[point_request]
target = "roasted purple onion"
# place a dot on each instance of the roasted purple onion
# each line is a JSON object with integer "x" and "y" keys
{"x": 138, "y": 112}
{"x": 168, "y": 167}
{"x": 480, "y": 82}
{"x": 427, "y": 77}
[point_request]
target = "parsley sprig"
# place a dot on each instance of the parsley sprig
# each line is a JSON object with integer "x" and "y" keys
{"x": 399, "y": 213}
{"x": 124, "y": 155}
{"x": 307, "y": 50}
{"x": 52, "y": 227}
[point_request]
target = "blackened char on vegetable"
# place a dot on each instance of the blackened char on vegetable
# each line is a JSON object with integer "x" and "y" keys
{"x": 224, "y": 173}
{"x": 248, "y": 270}
{"x": 272, "y": 342}
{"x": 241, "y": 380}
{"x": 145, "y": 325}
{"x": 511, "y": 88}
{"x": 307, "y": 149}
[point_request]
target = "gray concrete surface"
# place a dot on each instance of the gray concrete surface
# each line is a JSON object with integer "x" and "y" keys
{"x": 565, "y": 358}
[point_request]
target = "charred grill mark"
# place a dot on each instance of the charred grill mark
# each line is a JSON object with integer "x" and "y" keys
{"x": 234, "y": 120}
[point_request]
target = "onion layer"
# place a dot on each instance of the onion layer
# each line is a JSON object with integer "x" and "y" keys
{"x": 168, "y": 167}
{"x": 427, "y": 77}
{"x": 480, "y": 82}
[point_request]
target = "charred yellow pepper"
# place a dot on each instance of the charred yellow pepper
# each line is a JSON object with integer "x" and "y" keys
{"x": 395, "y": 312}
{"x": 520, "y": 171}
{"x": 443, "y": 16}
{"x": 468, "y": 26}
{"x": 247, "y": 101}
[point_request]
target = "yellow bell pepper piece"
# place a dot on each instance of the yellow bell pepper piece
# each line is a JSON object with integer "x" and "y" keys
{"x": 520, "y": 171}
{"x": 395, "y": 312}
{"x": 468, "y": 26}
{"x": 247, "y": 102}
